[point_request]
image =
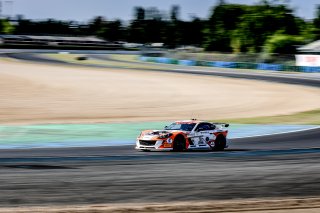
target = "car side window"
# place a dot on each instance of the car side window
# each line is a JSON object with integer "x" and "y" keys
{"x": 205, "y": 127}
{"x": 212, "y": 127}
{"x": 202, "y": 127}
{"x": 199, "y": 127}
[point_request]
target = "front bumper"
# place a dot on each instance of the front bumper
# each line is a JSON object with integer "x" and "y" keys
{"x": 152, "y": 145}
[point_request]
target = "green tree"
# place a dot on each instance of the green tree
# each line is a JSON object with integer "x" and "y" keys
{"x": 175, "y": 13}
{"x": 316, "y": 23}
{"x": 317, "y": 18}
{"x": 136, "y": 28}
{"x": 307, "y": 29}
{"x": 6, "y": 27}
{"x": 140, "y": 13}
{"x": 223, "y": 20}
{"x": 50, "y": 26}
{"x": 173, "y": 34}
{"x": 97, "y": 26}
{"x": 283, "y": 44}
{"x": 112, "y": 30}
{"x": 261, "y": 21}
{"x": 148, "y": 26}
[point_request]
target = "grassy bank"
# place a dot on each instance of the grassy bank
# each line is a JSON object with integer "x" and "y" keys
{"x": 309, "y": 117}
{"x": 119, "y": 61}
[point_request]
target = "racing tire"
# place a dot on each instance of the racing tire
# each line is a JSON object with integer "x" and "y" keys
{"x": 179, "y": 144}
{"x": 220, "y": 143}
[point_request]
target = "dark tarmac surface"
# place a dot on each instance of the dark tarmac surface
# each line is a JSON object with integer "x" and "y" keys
{"x": 266, "y": 167}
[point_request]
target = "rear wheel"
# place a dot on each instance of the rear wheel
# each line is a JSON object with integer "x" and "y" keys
{"x": 220, "y": 143}
{"x": 179, "y": 144}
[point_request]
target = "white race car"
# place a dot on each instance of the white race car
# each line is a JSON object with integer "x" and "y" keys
{"x": 185, "y": 135}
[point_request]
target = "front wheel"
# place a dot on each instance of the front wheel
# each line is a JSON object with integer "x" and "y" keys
{"x": 179, "y": 144}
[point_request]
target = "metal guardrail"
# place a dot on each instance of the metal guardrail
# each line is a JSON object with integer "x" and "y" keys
{"x": 235, "y": 65}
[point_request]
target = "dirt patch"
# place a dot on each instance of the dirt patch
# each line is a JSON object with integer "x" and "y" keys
{"x": 311, "y": 205}
{"x": 37, "y": 93}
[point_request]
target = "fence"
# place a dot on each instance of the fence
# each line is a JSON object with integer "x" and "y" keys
{"x": 235, "y": 65}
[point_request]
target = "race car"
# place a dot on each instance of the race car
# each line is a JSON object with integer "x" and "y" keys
{"x": 185, "y": 135}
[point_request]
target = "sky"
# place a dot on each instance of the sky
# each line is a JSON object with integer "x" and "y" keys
{"x": 84, "y": 10}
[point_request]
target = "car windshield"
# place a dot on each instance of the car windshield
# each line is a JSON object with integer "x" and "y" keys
{"x": 180, "y": 126}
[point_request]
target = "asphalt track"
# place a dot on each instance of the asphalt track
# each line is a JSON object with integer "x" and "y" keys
{"x": 284, "y": 165}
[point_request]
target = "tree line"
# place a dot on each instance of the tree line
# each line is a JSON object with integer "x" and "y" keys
{"x": 268, "y": 26}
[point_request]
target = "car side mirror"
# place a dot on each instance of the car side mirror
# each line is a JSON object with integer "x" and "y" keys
{"x": 226, "y": 125}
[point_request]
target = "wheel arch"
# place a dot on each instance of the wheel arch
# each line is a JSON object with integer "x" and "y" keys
{"x": 183, "y": 137}
{"x": 220, "y": 142}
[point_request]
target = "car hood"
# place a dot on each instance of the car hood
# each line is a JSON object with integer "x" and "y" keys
{"x": 158, "y": 132}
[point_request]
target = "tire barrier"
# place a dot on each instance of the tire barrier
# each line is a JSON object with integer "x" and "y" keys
{"x": 223, "y": 64}
{"x": 273, "y": 67}
{"x": 235, "y": 65}
{"x": 187, "y": 62}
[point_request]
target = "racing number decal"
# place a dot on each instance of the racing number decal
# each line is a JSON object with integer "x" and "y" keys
{"x": 201, "y": 140}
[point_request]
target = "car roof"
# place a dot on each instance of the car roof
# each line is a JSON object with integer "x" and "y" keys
{"x": 192, "y": 121}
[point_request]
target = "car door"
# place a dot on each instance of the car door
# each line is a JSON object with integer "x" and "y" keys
{"x": 203, "y": 134}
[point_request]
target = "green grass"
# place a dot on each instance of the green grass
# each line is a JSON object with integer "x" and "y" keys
{"x": 309, "y": 117}
{"x": 124, "y": 63}
{"x": 72, "y": 58}
{"x": 128, "y": 58}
